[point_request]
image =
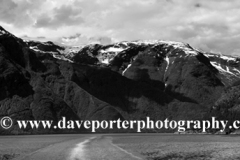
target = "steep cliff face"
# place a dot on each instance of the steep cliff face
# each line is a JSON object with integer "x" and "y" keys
{"x": 127, "y": 80}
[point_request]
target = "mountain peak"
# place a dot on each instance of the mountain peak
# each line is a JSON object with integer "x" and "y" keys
{"x": 5, "y": 32}
{"x": 1, "y": 28}
{"x": 176, "y": 45}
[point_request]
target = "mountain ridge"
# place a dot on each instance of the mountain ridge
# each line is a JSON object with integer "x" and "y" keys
{"x": 159, "y": 79}
{"x": 114, "y": 49}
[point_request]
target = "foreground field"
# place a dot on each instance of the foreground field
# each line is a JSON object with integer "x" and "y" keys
{"x": 165, "y": 146}
{"x": 20, "y": 147}
{"x": 119, "y": 147}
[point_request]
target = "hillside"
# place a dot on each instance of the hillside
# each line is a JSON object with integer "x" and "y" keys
{"x": 127, "y": 80}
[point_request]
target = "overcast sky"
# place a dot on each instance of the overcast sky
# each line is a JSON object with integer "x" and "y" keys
{"x": 210, "y": 25}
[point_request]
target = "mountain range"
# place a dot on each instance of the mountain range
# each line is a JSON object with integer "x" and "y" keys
{"x": 126, "y": 80}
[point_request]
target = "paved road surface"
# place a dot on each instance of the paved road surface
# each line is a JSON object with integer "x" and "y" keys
{"x": 94, "y": 147}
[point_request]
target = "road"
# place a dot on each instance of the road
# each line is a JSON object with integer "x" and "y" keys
{"x": 93, "y": 147}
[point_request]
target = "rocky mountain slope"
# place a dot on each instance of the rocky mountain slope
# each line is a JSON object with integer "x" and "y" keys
{"x": 127, "y": 80}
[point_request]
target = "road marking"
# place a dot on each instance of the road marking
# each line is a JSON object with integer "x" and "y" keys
{"x": 78, "y": 152}
{"x": 105, "y": 145}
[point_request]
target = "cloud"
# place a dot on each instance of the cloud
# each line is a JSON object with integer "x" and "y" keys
{"x": 19, "y": 12}
{"x": 101, "y": 40}
{"x": 210, "y": 25}
{"x": 63, "y": 16}
{"x": 5, "y": 10}
{"x": 79, "y": 39}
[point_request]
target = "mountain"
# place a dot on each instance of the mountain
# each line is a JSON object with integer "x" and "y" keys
{"x": 119, "y": 56}
{"x": 126, "y": 80}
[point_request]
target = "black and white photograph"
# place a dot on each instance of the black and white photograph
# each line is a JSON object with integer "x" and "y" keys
{"x": 119, "y": 79}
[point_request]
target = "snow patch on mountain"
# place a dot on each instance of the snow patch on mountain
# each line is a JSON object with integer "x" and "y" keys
{"x": 236, "y": 70}
{"x": 168, "y": 63}
{"x": 2, "y": 32}
{"x": 176, "y": 45}
{"x": 112, "y": 49}
{"x": 228, "y": 58}
{"x": 36, "y": 49}
{"x": 126, "y": 69}
{"x": 219, "y": 67}
{"x": 54, "y": 54}
{"x": 70, "y": 52}
{"x": 167, "y": 60}
{"x": 60, "y": 57}
{"x": 106, "y": 55}
{"x": 104, "y": 61}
